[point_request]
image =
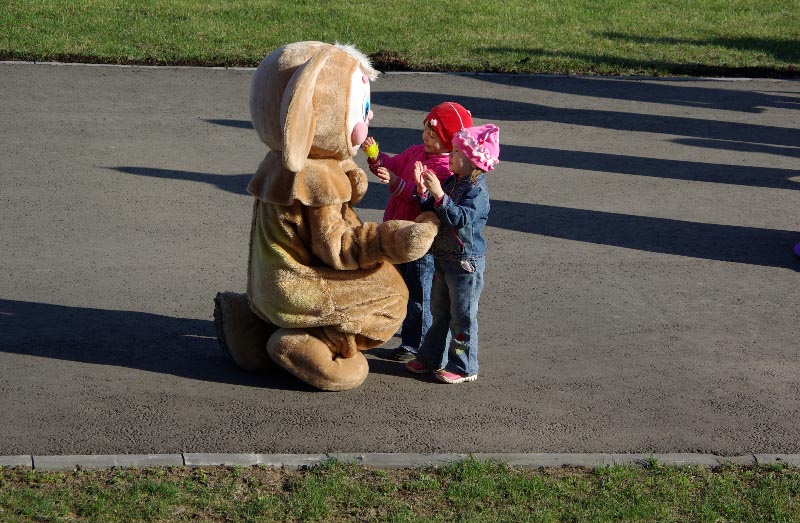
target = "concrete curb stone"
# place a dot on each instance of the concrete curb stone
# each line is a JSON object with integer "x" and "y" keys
{"x": 287, "y": 461}
{"x": 548, "y": 460}
{"x": 386, "y": 460}
{"x": 16, "y": 461}
{"x": 106, "y": 461}
{"x": 778, "y": 459}
{"x": 397, "y": 461}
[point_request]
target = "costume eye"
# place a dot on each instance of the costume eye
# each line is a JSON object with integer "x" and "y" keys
{"x": 366, "y": 106}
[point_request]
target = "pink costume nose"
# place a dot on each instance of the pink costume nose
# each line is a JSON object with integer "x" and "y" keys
{"x": 359, "y": 134}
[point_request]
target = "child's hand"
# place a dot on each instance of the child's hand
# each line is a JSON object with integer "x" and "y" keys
{"x": 369, "y": 141}
{"x": 385, "y": 175}
{"x": 431, "y": 182}
{"x": 418, "y": 170}
{"x": 370, "y": 148}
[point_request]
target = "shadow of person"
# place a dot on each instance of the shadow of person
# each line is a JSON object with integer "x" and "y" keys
{"x": 389, "y": 367}
{"x": 182, "y": 347}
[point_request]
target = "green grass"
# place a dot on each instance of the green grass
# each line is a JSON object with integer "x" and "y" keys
{"x": 467, "y": 491}
{"x": 695, "y": 37}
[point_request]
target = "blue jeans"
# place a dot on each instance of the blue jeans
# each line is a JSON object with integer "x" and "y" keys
{"x": 452, "y": 340}
{"x": 418, "y": 276}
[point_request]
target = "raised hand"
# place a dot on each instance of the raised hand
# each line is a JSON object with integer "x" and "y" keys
{"x": 418, "y": 170}
{"x": 431, "y": 182}
{"x": 370, "y": 148}
{"x": 367, "y": 143}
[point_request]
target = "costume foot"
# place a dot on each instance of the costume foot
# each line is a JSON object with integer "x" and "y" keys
{"x": 242, "y": 335}
{"x": 313, "y": 361}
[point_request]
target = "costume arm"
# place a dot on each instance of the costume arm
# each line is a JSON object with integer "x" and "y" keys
{"x": 339, "y": 244}
{"x": 343, "y": 246}
{"x": 358, "y": 180}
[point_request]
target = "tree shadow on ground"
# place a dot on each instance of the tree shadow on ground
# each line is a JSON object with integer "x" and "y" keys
{"x": 726, "y": 145}
{"x": 783, "y": 49}
{"x": 181, "y": 347}
{"x": 698, "y": 240}
{"x": 517, "y": 111}
{"x": 376, "y": 197}
{"x": 233, "y": 183}
{"x": 238, "y": 124}
{"x": 668, "y": 91}
{"x": 728, "y": 243}
{"x": 394, "y": 140}
{"x": 608, "y": 64}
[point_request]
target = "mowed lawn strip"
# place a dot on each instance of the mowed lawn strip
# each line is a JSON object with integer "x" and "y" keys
{"x": 466, "y": 491}
{"x": 609, "y": 37}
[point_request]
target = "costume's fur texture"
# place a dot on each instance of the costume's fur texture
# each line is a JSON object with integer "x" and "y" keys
{"x": 319, "y": 288}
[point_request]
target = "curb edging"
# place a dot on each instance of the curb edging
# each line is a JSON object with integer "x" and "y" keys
{"x": 386, "y": 460}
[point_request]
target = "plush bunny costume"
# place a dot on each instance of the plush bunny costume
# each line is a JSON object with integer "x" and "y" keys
{"x": 320, "y": 289}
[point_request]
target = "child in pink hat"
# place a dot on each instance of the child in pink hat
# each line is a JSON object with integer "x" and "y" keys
{"x": 439, "y": 126}
{"x": 450, "y": 347}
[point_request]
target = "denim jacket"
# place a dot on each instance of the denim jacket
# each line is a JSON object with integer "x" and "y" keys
{"x": 462, "y": 212}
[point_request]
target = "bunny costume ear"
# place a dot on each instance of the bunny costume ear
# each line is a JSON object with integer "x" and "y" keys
{"x": 298, "y": 115}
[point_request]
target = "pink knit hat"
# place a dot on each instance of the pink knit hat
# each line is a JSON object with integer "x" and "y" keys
{"x": 480, "y": 144}
{"x": 446, "y": 119}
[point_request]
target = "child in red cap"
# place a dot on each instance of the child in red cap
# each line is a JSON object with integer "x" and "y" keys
{"x": 441, "y": 123}
{"x": 459, "y": 251}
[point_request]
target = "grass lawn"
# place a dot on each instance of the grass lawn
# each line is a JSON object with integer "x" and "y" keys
{"x": 610, "y": 37}
{"x": 468, "y": 491}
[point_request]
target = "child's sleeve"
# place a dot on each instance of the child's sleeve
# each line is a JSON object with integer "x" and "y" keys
{"x": 401, "y": 164}
{"x": 390, "y": 162}
{"x": 395, "y": 163}
{"x": 468, "y": 210}
{"x": 377, "y": 162}
{"x": 426, "y": 202}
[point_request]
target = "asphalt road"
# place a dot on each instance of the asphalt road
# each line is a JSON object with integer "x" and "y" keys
{"x": 641, "y": 295}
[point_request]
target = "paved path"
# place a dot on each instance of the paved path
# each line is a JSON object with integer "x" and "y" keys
{"x": 641, "y": 296}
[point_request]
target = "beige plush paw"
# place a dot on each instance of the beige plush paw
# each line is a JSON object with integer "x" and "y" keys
{"x": 404, "y": 241}
{"x": 428, "y": 217}
{"x": 312, "y": 360}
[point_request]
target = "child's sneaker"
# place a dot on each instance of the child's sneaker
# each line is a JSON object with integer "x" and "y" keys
{"x": 417, "y": 367}
{"x": 403, "y": 355}
{"x": 451, "y": 377}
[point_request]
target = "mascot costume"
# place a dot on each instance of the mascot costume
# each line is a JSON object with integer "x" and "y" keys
{"x": 321, "y": 286}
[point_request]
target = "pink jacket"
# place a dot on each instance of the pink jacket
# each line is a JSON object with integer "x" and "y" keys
{"x": 402, "y": 204}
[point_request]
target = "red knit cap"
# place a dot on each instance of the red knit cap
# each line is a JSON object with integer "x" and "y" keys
{"x": 447, "y": 119}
